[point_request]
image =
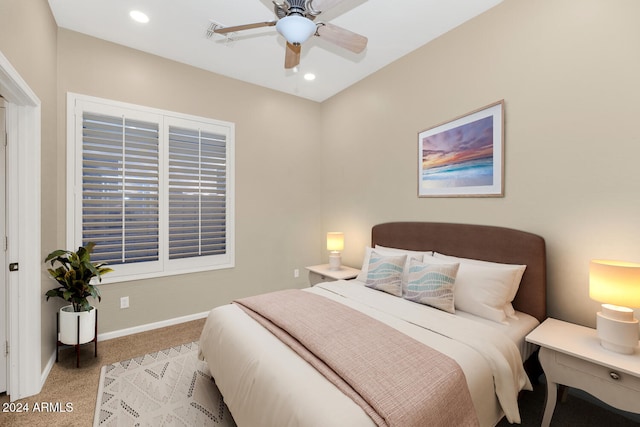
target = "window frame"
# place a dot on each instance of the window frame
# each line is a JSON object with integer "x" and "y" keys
{"x": 76, "y": 105}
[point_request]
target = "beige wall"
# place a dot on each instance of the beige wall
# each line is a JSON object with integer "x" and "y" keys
{"x": 568, "y": 72}
{"x": 28, "y": 41}
{"x": 277, "y": 176}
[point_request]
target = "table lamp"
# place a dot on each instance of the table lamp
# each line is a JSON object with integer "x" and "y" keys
{"x": 616, "y": 284}
{"x": 335, "y": 243}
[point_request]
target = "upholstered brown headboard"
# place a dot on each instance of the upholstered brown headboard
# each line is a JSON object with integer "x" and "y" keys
{"x": 488, "y": 243}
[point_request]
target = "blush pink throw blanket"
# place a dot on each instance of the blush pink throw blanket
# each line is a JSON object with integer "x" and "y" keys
{"x": 397, "y": 380}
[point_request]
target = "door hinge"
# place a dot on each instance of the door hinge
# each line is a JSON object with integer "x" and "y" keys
{"x": 6, "y": 348}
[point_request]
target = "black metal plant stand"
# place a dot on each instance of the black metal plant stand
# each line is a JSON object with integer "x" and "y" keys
{"x": 77, "y": 346}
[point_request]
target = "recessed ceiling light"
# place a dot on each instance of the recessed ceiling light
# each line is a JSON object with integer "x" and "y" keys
{"x": 138, "y": 16}
{"x": 309, "y": 76}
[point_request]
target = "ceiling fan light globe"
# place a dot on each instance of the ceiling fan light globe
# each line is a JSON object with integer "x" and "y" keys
{"x": 296, "y": 29}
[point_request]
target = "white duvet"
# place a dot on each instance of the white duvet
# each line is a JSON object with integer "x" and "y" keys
{"x": 264, "y": 383}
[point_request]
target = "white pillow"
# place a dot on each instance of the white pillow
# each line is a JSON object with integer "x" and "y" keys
{"x": 485, "y": 288}
{"x": 432, "y": 284}
{"x": 384, "y": 273}
{"x": 516, "y": 269}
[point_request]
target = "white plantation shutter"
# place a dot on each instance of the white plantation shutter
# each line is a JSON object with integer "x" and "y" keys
{"x": 153, "y": 189}
{"x": 120, "y": 208}
{"x": 197, "y": 193}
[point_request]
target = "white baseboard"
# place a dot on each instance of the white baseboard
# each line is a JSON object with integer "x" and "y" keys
{"x": 47, "y": 370}
{"x": 151, "y": 326}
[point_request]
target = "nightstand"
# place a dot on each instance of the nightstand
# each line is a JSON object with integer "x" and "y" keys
{"x": 322, "y": 273}
{"x": 571, "y": 355}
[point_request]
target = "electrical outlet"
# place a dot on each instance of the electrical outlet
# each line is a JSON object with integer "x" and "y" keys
{"x": 124, "y": 302}
{"x": 296, "y": 273}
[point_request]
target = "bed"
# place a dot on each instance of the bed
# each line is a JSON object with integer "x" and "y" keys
{"x": 266, "y": 382}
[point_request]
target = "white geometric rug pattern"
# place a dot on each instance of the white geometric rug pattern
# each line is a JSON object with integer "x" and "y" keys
{"x": 171, "y": 387}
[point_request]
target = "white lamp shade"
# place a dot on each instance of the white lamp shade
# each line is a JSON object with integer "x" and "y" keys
{"x": 615, "y": 282}
{"x": 296, "y": 29}
{"x": 335, "y": 241}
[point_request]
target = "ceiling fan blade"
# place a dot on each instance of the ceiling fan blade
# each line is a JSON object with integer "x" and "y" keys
{"x": 225, "y": 30}
{"x": 324, "y": 5}
{"x": 341, "y": 37}
{"x": 292, "y": 56}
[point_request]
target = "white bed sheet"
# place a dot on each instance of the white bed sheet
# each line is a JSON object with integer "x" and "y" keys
{"x": 265, "y": 383}
{"x": 516, "y": 329}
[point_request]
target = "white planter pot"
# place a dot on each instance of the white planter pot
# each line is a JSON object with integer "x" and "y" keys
{"x": 68, "y": 321}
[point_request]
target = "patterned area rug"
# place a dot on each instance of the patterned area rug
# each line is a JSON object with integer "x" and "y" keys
{"x": 168, "y": 388}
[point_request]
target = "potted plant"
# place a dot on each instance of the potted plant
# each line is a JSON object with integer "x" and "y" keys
{"x": 74, "y": 274}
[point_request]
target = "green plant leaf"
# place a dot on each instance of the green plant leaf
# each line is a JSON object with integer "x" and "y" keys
{"x": 74, "y": 274}
{"x": 53, "y": 293}
{"x": 55, "y": 254}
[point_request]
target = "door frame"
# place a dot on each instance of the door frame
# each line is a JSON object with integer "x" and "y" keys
{"x": 24, "y": 297}
{"x": 4, "y": 271}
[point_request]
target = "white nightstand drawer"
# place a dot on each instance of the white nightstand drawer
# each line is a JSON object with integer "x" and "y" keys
{"x": 603, "y": 373}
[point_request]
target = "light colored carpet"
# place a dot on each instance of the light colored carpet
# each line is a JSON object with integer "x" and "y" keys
{"x": 170, "y": 387}
{"x": 67, "y": 384}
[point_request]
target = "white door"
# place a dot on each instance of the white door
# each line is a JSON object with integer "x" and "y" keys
{"x": 3, "y": 258}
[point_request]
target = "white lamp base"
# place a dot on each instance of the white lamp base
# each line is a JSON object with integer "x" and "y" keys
{"x": 617, "y": 329}
{"x": 335, "y": 260}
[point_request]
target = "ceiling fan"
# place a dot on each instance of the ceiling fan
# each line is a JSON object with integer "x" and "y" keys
{"x": 295, "y": 23}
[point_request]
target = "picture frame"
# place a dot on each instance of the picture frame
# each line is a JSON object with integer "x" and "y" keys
{"x": 463, "y": 157}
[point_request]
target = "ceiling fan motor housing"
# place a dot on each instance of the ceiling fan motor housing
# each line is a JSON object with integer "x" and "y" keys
{"x": 297, "y": 6}
{"x": 294, "y": 7}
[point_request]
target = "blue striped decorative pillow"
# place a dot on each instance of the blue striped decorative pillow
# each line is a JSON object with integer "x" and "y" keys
{"x": 385, "y": 273}
{"x": 432, "y": 284}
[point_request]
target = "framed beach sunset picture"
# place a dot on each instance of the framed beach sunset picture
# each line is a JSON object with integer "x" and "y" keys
{"x": 463, "y": 157}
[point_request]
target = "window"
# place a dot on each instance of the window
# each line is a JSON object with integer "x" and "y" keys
{"x": 197, "y": 193}
{"x": 153, "y": 189}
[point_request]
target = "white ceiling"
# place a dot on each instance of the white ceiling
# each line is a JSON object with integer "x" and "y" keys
{"x": 178, "y": 30}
